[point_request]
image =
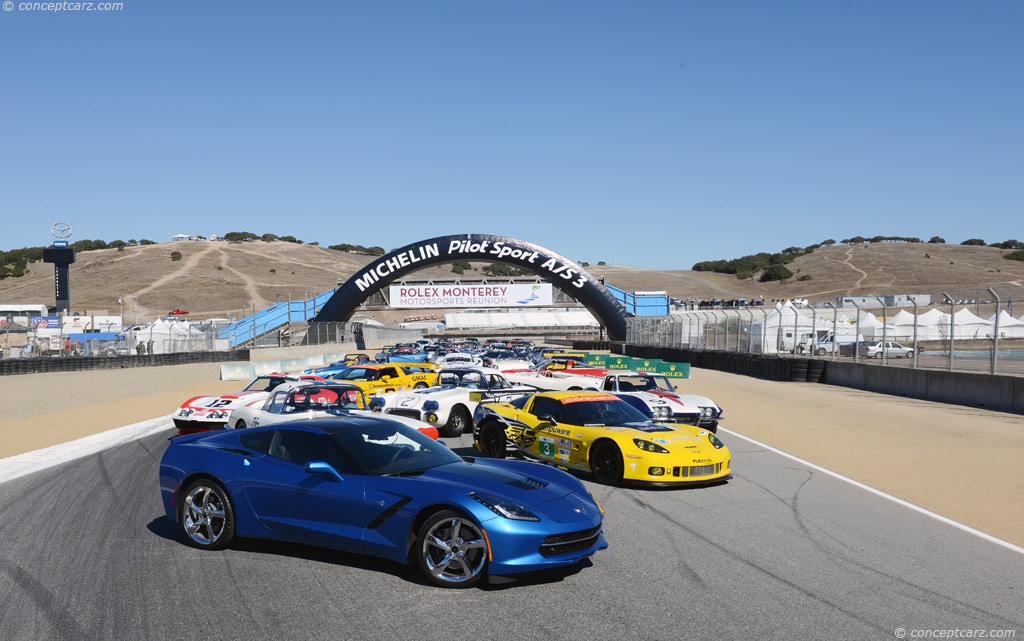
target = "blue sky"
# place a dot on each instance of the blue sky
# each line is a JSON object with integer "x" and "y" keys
{"x": 648, "y": 134}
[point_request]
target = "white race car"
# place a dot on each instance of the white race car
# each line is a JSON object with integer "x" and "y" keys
{"x": 449, "y": 403}
{"x": 202, "y": 413}
{"x": 307, "y": 399}
{"x": 458, "y": 359}
{"x": 655, "y": 394}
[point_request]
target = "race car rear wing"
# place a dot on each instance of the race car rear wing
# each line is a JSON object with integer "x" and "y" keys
{"x": 502, "y": 395}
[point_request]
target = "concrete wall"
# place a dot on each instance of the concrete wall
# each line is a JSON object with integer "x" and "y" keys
{"x": 1001, "y": 393}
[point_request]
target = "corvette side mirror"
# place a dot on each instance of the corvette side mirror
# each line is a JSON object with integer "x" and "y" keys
{"x": 323, "y": 467}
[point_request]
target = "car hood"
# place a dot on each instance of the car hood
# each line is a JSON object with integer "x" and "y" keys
{"x": 236, "y": 399}
{"x": 540, "y": 495}
{"x": 689, "y": 400}
{"x": 417, "y": 397}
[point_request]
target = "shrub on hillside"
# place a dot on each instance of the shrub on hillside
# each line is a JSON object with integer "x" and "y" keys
{"x": 775, "y": 272}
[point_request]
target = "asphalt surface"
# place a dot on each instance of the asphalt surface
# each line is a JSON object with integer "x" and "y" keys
{"x": 784, "y": 550}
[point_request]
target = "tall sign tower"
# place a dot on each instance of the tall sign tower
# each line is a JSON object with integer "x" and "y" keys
{"x": 61, "y": 256}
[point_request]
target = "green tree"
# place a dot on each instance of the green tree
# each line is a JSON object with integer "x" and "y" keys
{"x": 175, "y": 256}
{"x": 775, "y": 272}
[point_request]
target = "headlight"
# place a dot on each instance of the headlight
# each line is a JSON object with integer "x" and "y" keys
{"x": 710, "y": 412}
{"x": 714, "y": 441}
{"x": 504, "y": 507}
{"x": 647, "y": 446}
{"x": 661, "y": 412}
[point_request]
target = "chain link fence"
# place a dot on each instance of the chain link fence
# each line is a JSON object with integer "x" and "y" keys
{"x": 955, "y": 330}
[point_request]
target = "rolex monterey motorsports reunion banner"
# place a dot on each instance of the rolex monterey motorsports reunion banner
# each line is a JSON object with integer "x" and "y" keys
{"x": 471, "y": 295}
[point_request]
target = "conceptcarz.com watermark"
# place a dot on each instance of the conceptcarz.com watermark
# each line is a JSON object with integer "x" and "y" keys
{"x": 954, "y": 633}
{"x": 64, "y": 5}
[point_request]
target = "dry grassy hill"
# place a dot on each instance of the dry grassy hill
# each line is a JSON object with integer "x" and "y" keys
{"x": 216, "y": 279}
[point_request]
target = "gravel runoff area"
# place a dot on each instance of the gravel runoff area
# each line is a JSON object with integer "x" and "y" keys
{"x": 959, "y": 462}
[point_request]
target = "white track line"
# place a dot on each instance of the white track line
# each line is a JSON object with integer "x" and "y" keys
{"x": 868, "y": 488}
{"x": 19, "y": 465}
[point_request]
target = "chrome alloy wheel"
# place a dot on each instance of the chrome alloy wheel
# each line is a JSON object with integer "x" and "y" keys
{"x": 453, "y": 550}
{"x": 204, "y": 517}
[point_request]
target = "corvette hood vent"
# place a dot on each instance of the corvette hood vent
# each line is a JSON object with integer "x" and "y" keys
{"x": 528, "y": 483}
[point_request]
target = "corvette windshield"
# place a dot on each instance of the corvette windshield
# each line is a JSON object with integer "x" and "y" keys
{"x": 387, "y": 448}
{"x": 601, "y": 413}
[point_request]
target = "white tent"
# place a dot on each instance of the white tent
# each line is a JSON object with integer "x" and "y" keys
{"x": 869, "y": 326}
{"x": 167, "y": 336}
{"x": 1009, "y": 327}
{"x": 901, "y": 326}
{"x": 786, "y": 326}
{"x": 968, "y": 325}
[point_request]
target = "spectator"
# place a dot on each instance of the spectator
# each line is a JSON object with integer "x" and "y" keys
{"x": 67, "y": 346}
{"x": 27, "y": 350}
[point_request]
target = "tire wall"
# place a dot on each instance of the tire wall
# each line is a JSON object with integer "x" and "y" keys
{"x": 994, "y": 392}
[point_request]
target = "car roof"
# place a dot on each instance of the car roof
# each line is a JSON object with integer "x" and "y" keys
{"x": 471, "y": 368}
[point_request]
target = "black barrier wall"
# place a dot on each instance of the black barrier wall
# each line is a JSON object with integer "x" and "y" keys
{"x": 86, "y": 363}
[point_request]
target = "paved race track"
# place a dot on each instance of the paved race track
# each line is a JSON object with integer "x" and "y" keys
{"x": 783, "y": 551}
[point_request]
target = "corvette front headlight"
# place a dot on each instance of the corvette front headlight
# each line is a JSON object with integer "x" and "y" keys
{"x": 504, "y": 507}
{"x": 647, "y": 446}
{"x": 714, "y": 441}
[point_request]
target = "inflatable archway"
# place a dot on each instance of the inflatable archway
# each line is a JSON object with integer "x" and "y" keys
{"x": 556, "y": 269}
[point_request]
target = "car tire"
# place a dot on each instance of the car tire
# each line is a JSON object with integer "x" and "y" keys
{"x": 492, "y": 440}
{"x": 878, "y": 355}
{"x": 821, "y": 351}
{"x": 458, "y": 421}
{"x": 207, "y": 516}
{"x": 240, "y": 425}
{"x": 420, "y": 385}
{"x": 451, "y": 551}
{"x": 910, "y": 354}
{"x": 606, "y": 462}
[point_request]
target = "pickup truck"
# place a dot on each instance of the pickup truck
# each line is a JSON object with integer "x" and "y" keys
{"x": 656, "y": 396}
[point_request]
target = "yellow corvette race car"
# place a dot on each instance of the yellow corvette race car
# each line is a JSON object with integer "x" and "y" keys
{"x": 377, "y": 378}
{"x": 600, "y": 434}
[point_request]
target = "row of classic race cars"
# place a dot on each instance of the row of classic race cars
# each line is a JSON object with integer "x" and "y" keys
{"x": 311, "y": 459}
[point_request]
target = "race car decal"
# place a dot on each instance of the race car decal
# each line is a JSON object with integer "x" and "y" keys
{"x": 546, "y": 446}
{"x": 520, "y": 434}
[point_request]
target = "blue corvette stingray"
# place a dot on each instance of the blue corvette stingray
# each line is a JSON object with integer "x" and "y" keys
{"x": 371, "y": 485}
